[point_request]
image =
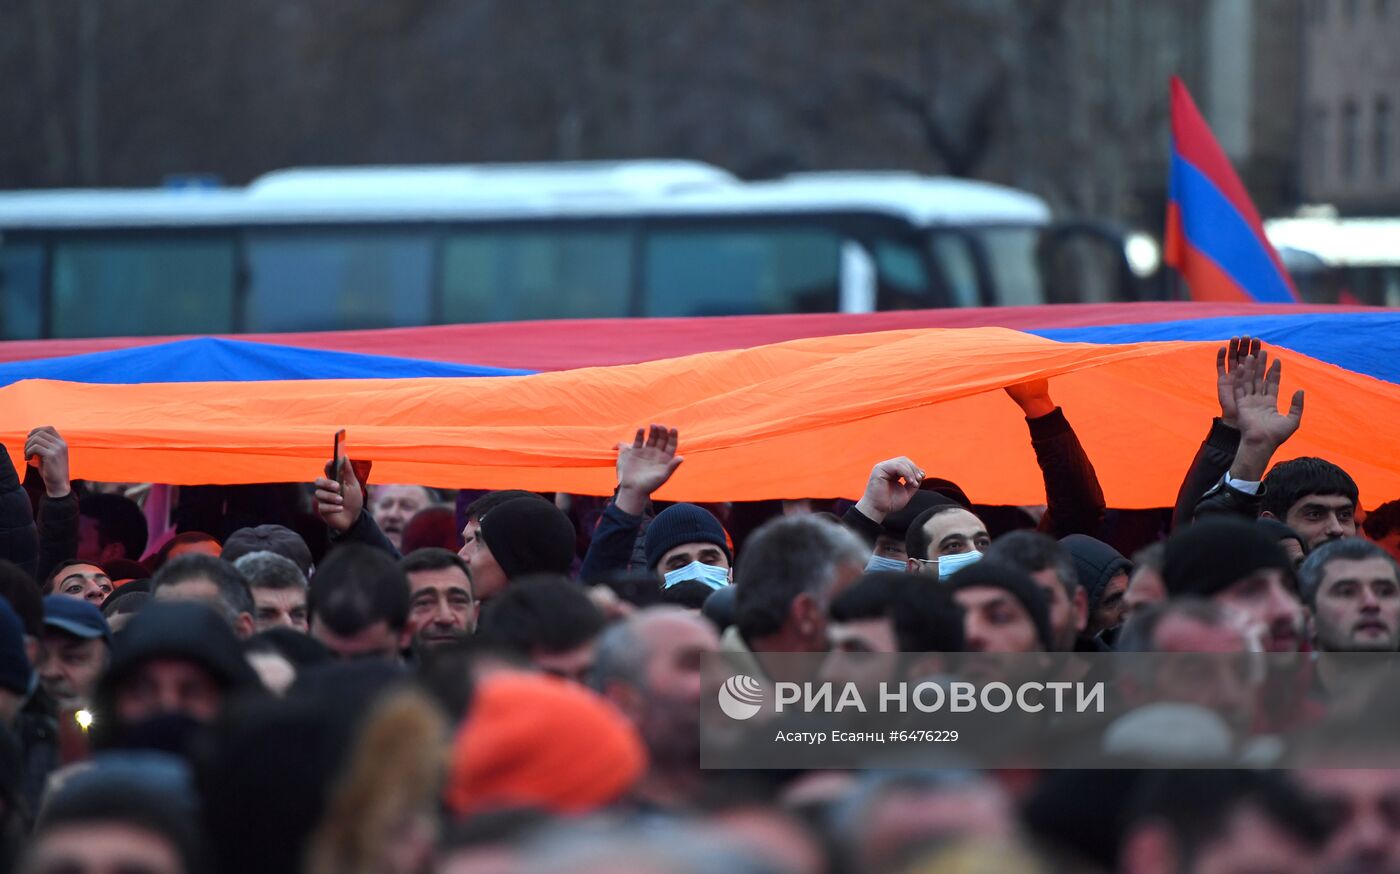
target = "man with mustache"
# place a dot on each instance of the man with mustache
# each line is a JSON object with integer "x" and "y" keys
{"x": 442, "y": 608}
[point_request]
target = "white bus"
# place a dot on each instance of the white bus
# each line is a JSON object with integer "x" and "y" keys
{"x": 1340, "y": 260}
{"x": 328, "y": 249}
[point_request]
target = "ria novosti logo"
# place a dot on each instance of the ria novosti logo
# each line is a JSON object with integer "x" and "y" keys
{"x": 741, "y": 697}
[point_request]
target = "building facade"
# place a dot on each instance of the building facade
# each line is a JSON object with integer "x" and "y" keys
{"x": 1351, "y": 94}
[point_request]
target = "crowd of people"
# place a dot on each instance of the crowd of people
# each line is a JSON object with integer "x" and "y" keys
{"x": 341, "y": 676}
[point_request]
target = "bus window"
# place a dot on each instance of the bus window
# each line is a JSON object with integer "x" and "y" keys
{"x": 953, "y": 254}
{"x": 510, "y": 275}
{"x": 1012, "y": 261}
{"x": 320, "y": 280}
{"x": 139, "y": 285}
{"x": 703, "y": 272}
{"x": 21, "y": 290}
{"x": 903, "y": 278}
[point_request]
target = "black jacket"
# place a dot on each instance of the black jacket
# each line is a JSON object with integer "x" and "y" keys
{"x": 36, "y": 728}
{"x": 58, "y": 532}
{"x": 1073, "y": 497}
{"x": 1203, "y": 491}
{"x": 366, "y": 531}
{"x": 19, "y": 540}
{"x": 1230, "y": 501}
{"x": 615, "y": 545}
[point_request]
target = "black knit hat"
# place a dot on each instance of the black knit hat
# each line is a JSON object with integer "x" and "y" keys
{"x": 989, "y": 573}
{"x": 1280, "y": 531}
{"x": 1210, "y": 556}
{"x": 683, "y": 523}
{"x": 529, "y": 536}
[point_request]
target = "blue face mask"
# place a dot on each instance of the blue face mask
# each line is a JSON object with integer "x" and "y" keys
{"x": 951, "y": 564}
{"x": 711, "y": 575}
{"x": 880, "y": 563}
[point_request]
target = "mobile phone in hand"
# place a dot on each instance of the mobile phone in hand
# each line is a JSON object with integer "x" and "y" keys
{"x": 337, "y": 452}
{"x": 339, "y": 455}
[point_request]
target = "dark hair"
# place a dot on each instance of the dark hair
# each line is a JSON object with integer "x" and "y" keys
{"x": 1195, "y": 805}
{"x": 691, "y": 594}
{"x": 719, "y": 608}
{"x": 19, "y": 589}
{"x": 784, "y": 559}
{"x": 265, "y": 774}
{"x": 299, "y": 649}
{"x": 119, "y": 520}
{"x": 1291, "y": 481}
{"x": 546, "y": 613}
{"x": 232, "y": 586}
{"x": 131, "y": 598}
{"x": 637, "y": 587}
{"x": 432, "y": 558}
{"x": 125, "y": 569}
{"x": 1383, "y": 520}
{"x": 47, "y": 586}
{"x": 927, "y": 619}
{"x": 916, "y": 542}
{"x": 1311, "y": 572}
{"x": 1034, "y": 552}
{"x": 357, "y": 586}
{"x": 157, "y": 561}
{"x": 869, "y": 597}
{"x": 268, "y": 570}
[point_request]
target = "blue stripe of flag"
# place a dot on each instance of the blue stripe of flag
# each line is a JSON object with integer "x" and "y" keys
{"x": 210, "y": 359}
{"x": 1360, "y": 342}
{"x": 1213, "y": 226}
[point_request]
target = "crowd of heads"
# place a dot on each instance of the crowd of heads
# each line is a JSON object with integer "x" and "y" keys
{"x": 396, "y": 678}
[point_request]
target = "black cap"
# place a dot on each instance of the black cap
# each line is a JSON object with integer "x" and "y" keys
{"x": 989, "y": 573}
{"x": 529, "y": 536}
{"x": 1211, "y": 555}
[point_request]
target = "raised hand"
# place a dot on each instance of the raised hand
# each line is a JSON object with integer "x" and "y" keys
{"x": 49, "y": 452}
{"x": 1263, "y": 429}
{"x": 644, "y": 465}
{"x": 1033, "y": 398}
{"x": 339, "y": 501}
{"x": 1256, "y": 403}
{"x": 891, "y": 486}
{"x": 1229, "y": 361}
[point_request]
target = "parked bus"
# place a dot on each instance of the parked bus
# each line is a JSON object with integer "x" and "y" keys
{"x": 328, "y": 249}
{"x": 1340, "y": 260}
